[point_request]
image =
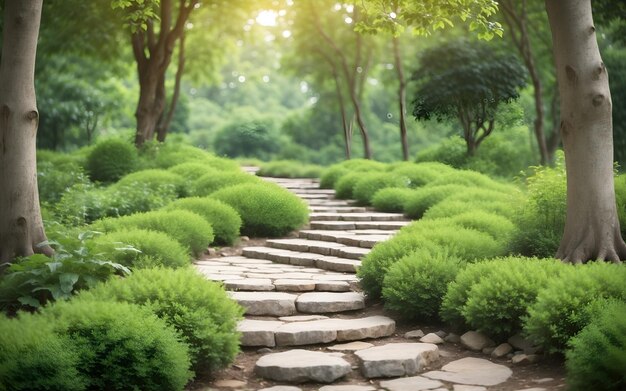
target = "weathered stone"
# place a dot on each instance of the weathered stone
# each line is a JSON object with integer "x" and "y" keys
{"x": 520, "y": 343}
{"x": 488, "y": 350}
{"x": 328, "y": 330}
{"x": 414, "y": 334}
{"x": 532, "y": 389}
{"x": 351, "y": 346}
{"x": 298, "y": 366}
{"x": 502, "y": 350}
{"x": 362, "y": 328}
{"x": 337, "y": 264}
{"x": 415, "y": 383}
{"x": 476, "y": 341}
{"x": 452, "y": 338}
{"x": 258, "y": 332}
{"x": 524, "y": 359}
{"x": 249, "y": 284}
{"x": 332, "y": 286}
{"x": 229, "y": 383}
{"x": 266, "y": 303}
{"x": 347, "y": 388}
{"x": 431, "y": 338}
{"x": 301, "y": 318}
{"x": 472, "y": 371}
{"x": 464, "y": 387}
{"x": 281, "y": 388}
{"x": 396, "y": 359}
{"x": 325, "y": 302}
{"x": 264, "y": 350}
{"x": 442, "y": 334}
{"x": 294, "y": 285}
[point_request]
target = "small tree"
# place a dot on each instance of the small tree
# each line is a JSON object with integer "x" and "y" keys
{"x": 467, "y": 81}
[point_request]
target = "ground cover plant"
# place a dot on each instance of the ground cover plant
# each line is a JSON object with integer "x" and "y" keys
{"x": 289, "y": 169}
{"x": 391, "y": 199}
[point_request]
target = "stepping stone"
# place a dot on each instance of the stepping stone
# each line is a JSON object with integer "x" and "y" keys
{"x": 313, "y": 196}
{"x": 332, "y": 286}
{"x": 241, "y": 261}
{"x": 363, "y": 216}
{"x": 266, "y": 303}
{"x": 347, "y": 388}
{"x": 299, "y": 366}
{"x": 463, "y": 387}
{"x": 325, "y": 302}
{"x": 221, "y": 277}
{"x": 320, "y": 261}
{"x": 337, "y": 209}
{"x": 258, "y": 332}
{"x": 358, "y": 225}
{"x": 472, "y": 371}
{"x": 415, "y": 383}
{"x": 249, "y": 284}
{"x": 351, "y": 346}
{"x": 294, "y": 285}
{"x": 230, "y": 383}
{"x": 302, "y": 318}
{"x": 350, "y": 252}
{"x": 476, "y": 341}
{"x": 281, "y": 388}
{"x": 303, "y": 245}
{"x": 397, "y": 359}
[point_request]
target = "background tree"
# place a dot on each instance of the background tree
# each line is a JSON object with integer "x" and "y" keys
{"x": 467, "y": 81}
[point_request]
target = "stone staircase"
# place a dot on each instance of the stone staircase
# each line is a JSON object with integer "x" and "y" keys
{"x": 300, "y": 293}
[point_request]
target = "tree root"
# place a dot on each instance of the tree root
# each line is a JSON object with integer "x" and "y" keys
{"x": 610, "y": 248}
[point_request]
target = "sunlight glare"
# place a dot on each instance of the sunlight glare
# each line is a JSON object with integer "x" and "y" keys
{"x": 267, "y": 18}
{"x": 286, "y": 34}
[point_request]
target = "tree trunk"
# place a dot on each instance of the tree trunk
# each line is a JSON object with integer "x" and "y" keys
{"x": 592, "y": 228}
{"x": 166, "y": 120}
{"x": 147, "y": 113}
{"x": 401, "y": 99}
{"x": 347, "y": 130}
{"x": 21, "y": 226}
{"x": 367, "y": 150}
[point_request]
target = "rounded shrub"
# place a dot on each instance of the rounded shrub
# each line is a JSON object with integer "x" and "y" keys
{"x": 266, "y": 210}
{"x": 209, "y": 183}
{"x": 620, "y": 197}
{"x": 289, "y": 169}
{"x": 223, "y": 218}
{"x": 559, "y": 311}
{"x": 451, "y": 208}
{"x": 149, "y": 249}
{"x": 416, "y": 284}
{"x": 471, "y": 179}
{"x": 154, "y": 180}
{"x": 344, "y": 187}
{"x": 331, "y": 175}
{"x": 34, "y": 358}
{"x": 192, "y": 170}
{"x": 369, "y": 183}
{"x": 423, "y": 198}
{"x": 122, "y": 346}
{"x": 391, "y": 199}
{"x": 596, "y": 357}
{"x": 422, "y": 173}
{"x": 110, "y": 160}
{"x": 189, "y": 229}
{"x": 497, "y": 305}
{"x": 363, "y": 165}
{"x": 200, "y": 310}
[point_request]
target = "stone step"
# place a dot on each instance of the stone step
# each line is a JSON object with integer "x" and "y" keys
{"x": 337, "y": 209}
{"x": 364, "y": 216}
{"x": 397, "y": 359}
{"x": 272, "y": 333}
{"x": 314, "y": 196}
{"x": 348, "y": 238}
{"x": 313, "y": 191}
{"x": 329, "y": 202}
{"x": 326, "y": 262}
{"x": 358, "y": 225}
{"x": 283, "y": 304}
{"x": 300, "y": 366}
{"x": 319, "y": 247}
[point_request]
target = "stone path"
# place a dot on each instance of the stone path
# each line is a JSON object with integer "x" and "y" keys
{"x": 307, "y": 322}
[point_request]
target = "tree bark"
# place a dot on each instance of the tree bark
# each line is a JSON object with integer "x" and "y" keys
{"x": 592, "y": 229}
{"x": 21, "y": 226}
{"x": 401, "y": 98}
{"x": 166, "y": 120}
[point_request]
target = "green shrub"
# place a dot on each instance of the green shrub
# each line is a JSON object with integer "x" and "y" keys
{"x": 191, "y": 230}
{"x": 53, "y": 180}
{"x": 596, "y": 357}
{"x": 266, "y": 210}
{"x": 148, "y": 249}
{"x": 202, "y": 312}
{"x": 363, "y": 165}
{"x": 391, "y": 199}
{"x": 344, "y": 187}
{"x": 192, "y": 170}
{"x": 451, "y": 151}
{"x": 154, "y": 180}
{"x": 496, "y": 305}
{"x": 421, "y": 174}
{"x": 500, "y": 228}
{"x": 209, "y": 183}
{"x": 223, "y": 218}
{"x": 559, "y": 311}
{"x": 254, "y": 136}
{"x": 415, "y": 285}
{"x": 423, "y": 198}
{"x": 110, "y": 160}
{"x": 620, "y": 196}
{"x": 451, "y": 208}
{"x": 122, "y": 346}
{"x": 34, "y": 358}
{"x": 470, "y": 179}
{"x": 289, "y": 169}
{"x": 369, "y": 183}
{"x": 166, "y": 155}
{"x": 331, "y": 175}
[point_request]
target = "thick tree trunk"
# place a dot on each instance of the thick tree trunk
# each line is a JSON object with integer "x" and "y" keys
{"x": 592, "y": 229}
{"x": 166, "y": 119}
{"x": 148, "y": 111}
{"x": 401, "y": 99}
{"x": 21, "y": 227}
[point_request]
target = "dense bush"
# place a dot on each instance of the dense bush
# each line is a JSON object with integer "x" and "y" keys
{"x": 596, "y": 358}
{"x": 197, "y": 308}
{"x": 122, "y": 346}
{"x": 110, "y": 160}
{"x": 166, "y": 155}
{"x": 154, "y": 180}
{"x": 147, "y": 249}
{"x": 369, "y": 183}
{"x": 363, "y": 165}
{"x": 331, "y": 175}
{"x": 471, "y": 179}
{"x": 190, "y": 229}
{"x": 344, "y": 187}
{"x": 289, "y": 169}
{"x": 424, "y": 198}
{"x": 421, "y": 174}
{"x": 451, "y": 151}
{"x": 451, "y": 208}
{"x": 54, "y": 179}
{"x": 496, "y": 305}
{"x": 225, "y": 220}
{"x": 415, "y": 285}
{"x": 559, "y": 311}
{"x": 266, "y": 210}
{"x": 34, "y": 358}
{"x": 391, "y": 199}
{"x": 256, "y": 137}
{"x": 499, "y": 227}
{"x": 209, "y": 183}
{"x": 192, "y": 170}
{"x": 620, "y": 195}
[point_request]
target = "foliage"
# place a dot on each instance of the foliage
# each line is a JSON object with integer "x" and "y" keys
{"x": 122, "y": 346}
{"x": 54, "y": 178}
{"x": 496, "y": 305}
{"x": 425, "y": 197}
{"x": 369, "y": 183}
{"x": 202, "y": 313}
{"x": 256, "y": 137}
{"x": 154, "y": 180}
{"x": 344, "y": 187}
{"x": 289, "y": 169}
{"x": 143, "y": 249}
{"x": 331, "y": 175}
{"x": 209, "y": 183}
{"x": 415, "y": 285}
{"x": 596, "y": 357}
{"x": 499, "y": 227}
{"x": 166, "y": 155}
{"x": 471, "y": 179}
{"x": 451, "y": 151}
{"x": 420, "y": 174}
{"x": 188, "y": 228}
{"x": 559, "y": 311}
{"x": 34, "y": 358}
{"x": 473, "y": 199}
{"x": 192, "y": 170}
{"x": 391, "y": 199}
{"x": 111, "y": 159}
{"x": 620, "y": 196}
{"x": 36, "y": 280}
{"x": 266, "y": 210}
{"x": 225, "y": 220}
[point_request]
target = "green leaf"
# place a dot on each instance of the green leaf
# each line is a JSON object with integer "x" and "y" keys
{"x": 53, "y": 266}
{"x": 29, "y": 301}
{"x": 67, "y": 281}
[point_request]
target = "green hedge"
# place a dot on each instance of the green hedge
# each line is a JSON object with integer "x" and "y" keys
{"x": 111, "y": 159}
{"x": 344, "y": 187}
{"x": 209, "y": 183}
{"x": 421, "y": 174}
{"x": 368, "y": 184}
{"x": 391, "y": 199}
{"x": 424, "y": 198}
{"x": 289, "y": 169}
{"x": 192, "y": 170}
{"x": 154, "y": 180}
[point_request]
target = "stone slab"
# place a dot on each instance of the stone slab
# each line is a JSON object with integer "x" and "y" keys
{"x": 249, "y": 284}
{"x": 299, "y": 366}
{"x": 332, "y": 286}
{"x": 347, "y": 387}
{"x": 397, "y": 359}
{"x": 258, "y": 332}
{"x": 266, "y": 303}
{"x": 351, "y": 346}
{"x": 472, "y": 371}
{"x": 281, "y": 388}
{"x": 289, "y": 285}
{"x": 328, "y": 302}
{"x": 413, "y": 383}
{"x": 301, "y": 318}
